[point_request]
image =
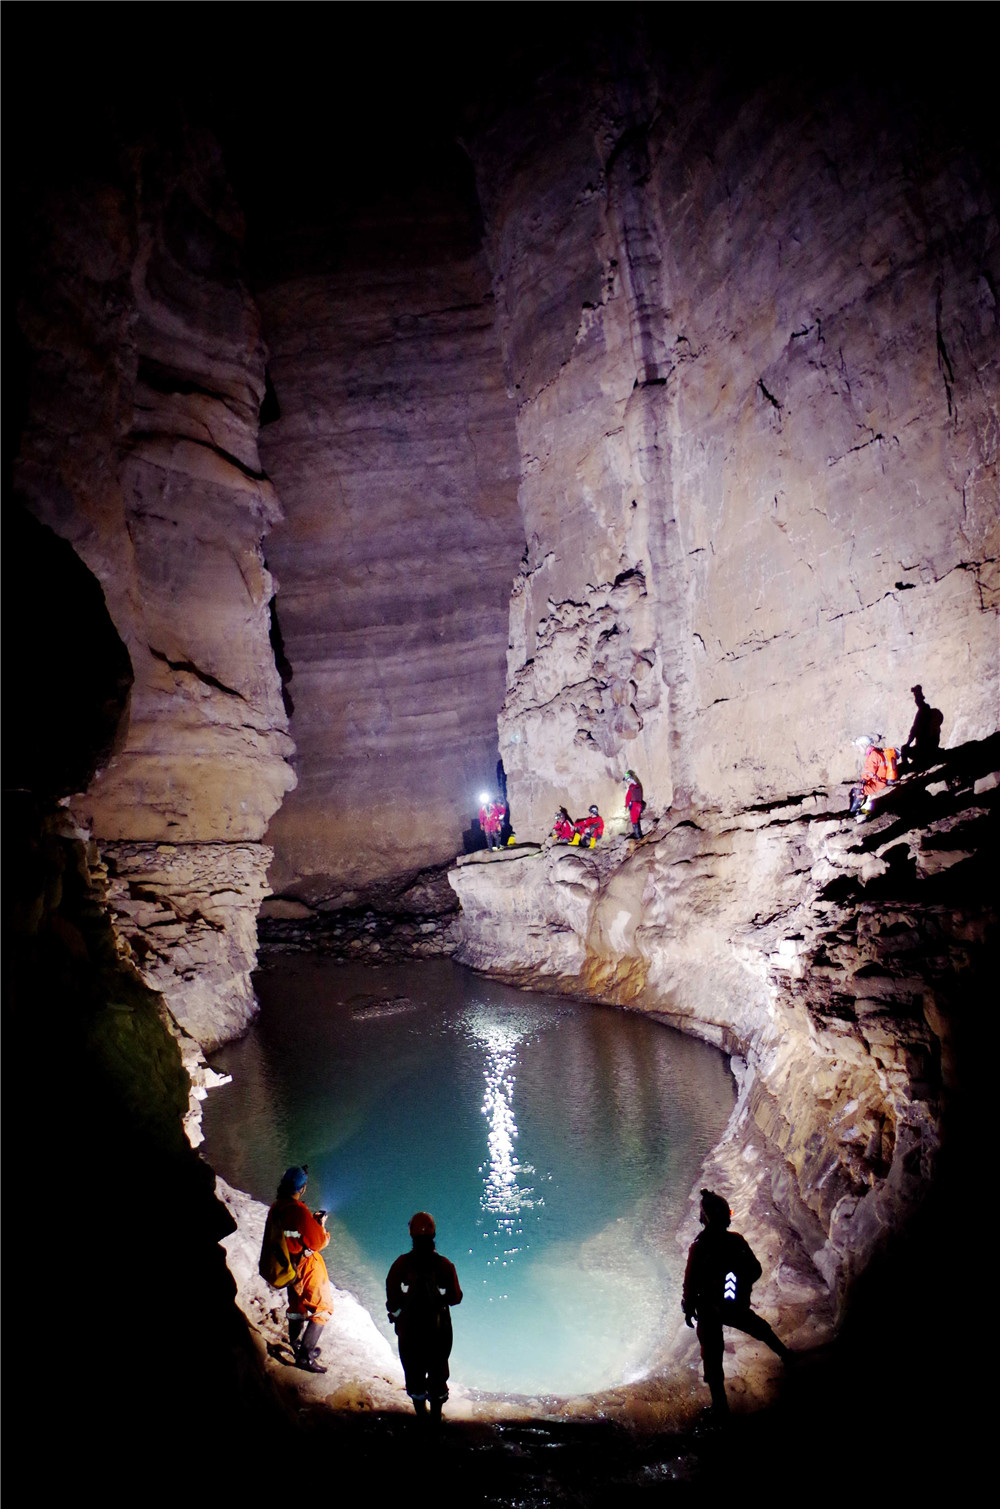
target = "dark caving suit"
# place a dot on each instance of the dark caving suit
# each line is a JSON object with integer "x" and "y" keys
{"x": 923, "y": 744}
{"x": 721, "y": 1271}
{"x": 419, "y": 1289}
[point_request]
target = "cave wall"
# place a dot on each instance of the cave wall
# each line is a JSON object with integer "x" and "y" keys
{"x": 845, "y": 968}
{"x": 144, "y": 379}
{"x": 751, "y": 327}
{"x": 394, "y": 453}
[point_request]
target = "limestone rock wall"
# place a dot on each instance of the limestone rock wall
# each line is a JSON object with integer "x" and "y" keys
{"x": 145, "y": 378}
{"x": 751, "y": 323}
{"x": 395, "y": 456}
{"x": 837, "y": 962}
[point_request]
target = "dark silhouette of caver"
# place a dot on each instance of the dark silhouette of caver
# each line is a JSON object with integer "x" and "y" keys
{"x": 721, "y": 1271}
{"x": 420, "y": 1287}
{"x": 924, "y": 741}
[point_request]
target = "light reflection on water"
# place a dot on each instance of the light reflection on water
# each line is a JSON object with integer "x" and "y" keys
{"x": 555, "y": 1143}
{"x": 504, "y": 1196}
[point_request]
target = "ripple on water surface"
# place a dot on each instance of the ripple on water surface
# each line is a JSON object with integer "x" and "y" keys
{"x": 554, "y": 1142}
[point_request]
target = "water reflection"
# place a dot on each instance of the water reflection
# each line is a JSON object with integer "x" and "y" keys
{"x": 505, "y": 1191}
{"x": 555, "y": 1143}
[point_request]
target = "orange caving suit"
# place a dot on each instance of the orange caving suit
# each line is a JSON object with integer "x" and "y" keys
{"x": 876, "y": 774}
{"x": 310, "y": 1294}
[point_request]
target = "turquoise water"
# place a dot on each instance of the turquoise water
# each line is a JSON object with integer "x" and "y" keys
{"x": 555, "y": 1143}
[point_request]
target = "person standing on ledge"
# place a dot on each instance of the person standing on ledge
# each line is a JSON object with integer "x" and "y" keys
{"x": 633, "y": 801}
{"x": 721, "y": 1271}
{"x": 420, "y": 1287}
{"x": 492, "y": 814}
{"x": 296, "y": 1235}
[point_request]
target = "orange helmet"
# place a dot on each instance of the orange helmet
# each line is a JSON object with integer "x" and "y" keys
{"x": 422, "y": 1225}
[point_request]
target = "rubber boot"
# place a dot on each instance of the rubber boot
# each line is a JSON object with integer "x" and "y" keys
{"x": 307, "y": 1351}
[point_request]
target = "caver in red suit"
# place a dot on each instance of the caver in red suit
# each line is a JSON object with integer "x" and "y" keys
{"x": 420, "y": 1288}
{"x": 562, "y": 828}
{"x": 634, "y": 802}
{"x": 495, "y": 819}
{"x": 591, "y": 826}
{"x": 491, "y": 820}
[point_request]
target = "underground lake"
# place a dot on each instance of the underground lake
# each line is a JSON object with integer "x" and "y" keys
{"x": 555, "y": 1142}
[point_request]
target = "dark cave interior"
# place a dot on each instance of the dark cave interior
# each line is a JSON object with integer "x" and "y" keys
{"x": 332, "y": 142}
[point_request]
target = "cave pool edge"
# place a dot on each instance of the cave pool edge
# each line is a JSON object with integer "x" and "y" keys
{"x": 571, "y": 1134}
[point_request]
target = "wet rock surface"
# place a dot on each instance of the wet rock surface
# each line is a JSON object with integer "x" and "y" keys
{"x": 411, "y": 917}
{"x": 835, "y": 959}
{"x": 747, "y": 312}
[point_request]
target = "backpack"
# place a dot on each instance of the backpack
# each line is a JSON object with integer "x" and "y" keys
{"x": 891, "y": 757}
{"x": 275, "y": 1265}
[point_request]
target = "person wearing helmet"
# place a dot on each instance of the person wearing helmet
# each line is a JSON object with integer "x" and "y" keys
{"x": 562, "y": 827}
{"x": 721, "y": 1271}
{"x": 633, "y": 801}
{"x": 591, "y": 827}
{"x": 420, "y": 1288}
{"x": 492, "y": 815}
{"x": 878, "y": 773}
{"x": 310, "y": 1293}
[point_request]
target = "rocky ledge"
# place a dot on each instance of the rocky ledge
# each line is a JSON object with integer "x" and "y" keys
{"x": 831, "y": 960}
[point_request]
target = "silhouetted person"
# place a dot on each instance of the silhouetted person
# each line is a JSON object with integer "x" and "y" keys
{"x": 420, "y": 1287}
{"x": 721, "y": 1271}
{"x": 924, "y": 741}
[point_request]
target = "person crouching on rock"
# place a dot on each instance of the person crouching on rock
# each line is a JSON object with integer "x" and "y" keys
{"x": 633, "y": 801}
{"x": 420, "y": 1287}
{"x": 562, "y": 828}
{"x": 878, "y": 773}
{"x": 310, "y": 1293}
{"x": 721, "y": 1271}
{"x": 590, "y": 828}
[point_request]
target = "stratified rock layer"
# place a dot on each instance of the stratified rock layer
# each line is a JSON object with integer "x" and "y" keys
{"x": 189, "y": 913}
{"x": 836, "y": 961}
{"x": 146, "y": 377}
{"x": 396, "y": 462}
{"x": 752, "y": 329}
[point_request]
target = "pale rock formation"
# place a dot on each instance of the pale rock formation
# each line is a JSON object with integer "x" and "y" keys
{"x": 189, "y": 915}
{"x": 147, "y": 375}
{"x": 833, "y": 959}
{"x": 363, "y": 1371}
{"x": 751, "y": 329}
{"x": 396, "y": 462}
